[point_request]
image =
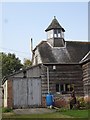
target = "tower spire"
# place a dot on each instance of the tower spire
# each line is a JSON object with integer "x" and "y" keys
{"x": 55, "y": 33}
{"x": 54, "y": 17}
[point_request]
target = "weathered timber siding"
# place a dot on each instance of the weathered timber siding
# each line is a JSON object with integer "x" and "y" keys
{"x": 23, "y": 92}
{"x": 26, "y": 92}
{"x": 34, "y": 71}
{"x": 69, "y": 74}
{"x": 86, "y": 78}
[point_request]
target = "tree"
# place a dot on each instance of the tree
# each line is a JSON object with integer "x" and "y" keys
{"x": 10, "y": 63}
{"x": 27, "y": 62}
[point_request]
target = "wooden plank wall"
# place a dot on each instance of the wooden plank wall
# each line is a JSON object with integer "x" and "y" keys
{"x": 70, "y": 74}
{"x": 86, "y": 78}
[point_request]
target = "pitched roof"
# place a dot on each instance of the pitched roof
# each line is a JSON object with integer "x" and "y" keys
{"x": 73, "y": 52}
{"x": 54, "y": 25}
{"x": 86, "y": 58}
{"x": 77, "y": 50}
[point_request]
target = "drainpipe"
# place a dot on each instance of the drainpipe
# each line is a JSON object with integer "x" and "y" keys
{"x": 47, "y": 77}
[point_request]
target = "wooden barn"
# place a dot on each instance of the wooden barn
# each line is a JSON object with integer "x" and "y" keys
{"x": 58, "y": 67}
{"x": 86, "y": 75}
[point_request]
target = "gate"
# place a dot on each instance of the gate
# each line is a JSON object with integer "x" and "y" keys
{"x": 26, "y": 92}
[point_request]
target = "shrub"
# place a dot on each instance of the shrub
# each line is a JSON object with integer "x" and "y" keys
{"x": 4, "y": 110}
{"x": 83, "y": 103}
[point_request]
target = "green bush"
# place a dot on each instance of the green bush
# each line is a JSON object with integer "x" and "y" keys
{"x": 83, "y": 103}
{"x": 4, "y": 110}
{"x": 87, "y": 105}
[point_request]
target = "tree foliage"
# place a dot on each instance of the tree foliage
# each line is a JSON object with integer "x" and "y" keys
{"x": 27, "y": 62}
{"x": 10, "y": 63}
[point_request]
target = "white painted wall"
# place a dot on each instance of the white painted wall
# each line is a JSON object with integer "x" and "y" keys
{"x": 5, "y": 93}
{"x": 39, "y": 60}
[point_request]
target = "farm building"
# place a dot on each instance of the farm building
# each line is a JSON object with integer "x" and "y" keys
{"x": 58, "y": 67}
{"x": 86, "y": 75}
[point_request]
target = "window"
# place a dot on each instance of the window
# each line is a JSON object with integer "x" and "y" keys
{"x": 57, "y": 87}
{"x": 63, "y": 88}
{"x": 59, "y": 33}
{"x": 55, "y": 33}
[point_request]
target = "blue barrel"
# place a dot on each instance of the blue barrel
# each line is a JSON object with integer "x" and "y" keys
{"x": 49, "y": 99}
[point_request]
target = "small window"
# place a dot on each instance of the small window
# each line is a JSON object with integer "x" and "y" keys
{"x": 59, "y": 35}
{"x": 64, "y": 88}
{"x": 55, "y": 33}
{"x": 57, "y": 88}
{"x": 67, "y": 87}
{"x": 54, "y": 67}
{"x": 61, "y": 88}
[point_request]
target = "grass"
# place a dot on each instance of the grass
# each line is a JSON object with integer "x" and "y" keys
{"x": 77, "y": 113}
{"x": 49, "y": 115}
{"x": 59, "y": 114}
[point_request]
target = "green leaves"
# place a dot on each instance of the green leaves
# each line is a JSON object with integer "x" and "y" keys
{"x": 27, "y": 62}
{"x": 10, "y": 63}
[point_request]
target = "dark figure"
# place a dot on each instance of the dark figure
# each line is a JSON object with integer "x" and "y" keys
{"x": 73, "y": 100}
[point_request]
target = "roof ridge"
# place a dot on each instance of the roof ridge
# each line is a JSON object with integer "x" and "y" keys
{"x": 78, "y": 41}
{"x": 86, "y": 57}
{"x": 39, "y": 44}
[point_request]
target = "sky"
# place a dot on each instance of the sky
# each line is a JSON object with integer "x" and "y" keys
{"x": 22, "y": 21}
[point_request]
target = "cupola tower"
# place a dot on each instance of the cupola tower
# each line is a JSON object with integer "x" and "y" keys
{"x": 55, "y": 34}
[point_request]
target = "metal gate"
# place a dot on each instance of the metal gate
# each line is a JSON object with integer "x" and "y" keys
{"x": 26, "y": 92}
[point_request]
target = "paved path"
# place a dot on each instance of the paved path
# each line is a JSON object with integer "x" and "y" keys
{"x": 33, "y": 111}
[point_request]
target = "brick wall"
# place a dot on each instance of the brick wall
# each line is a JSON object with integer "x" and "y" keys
{"x": 10, "y": 94}
{"x": 43, "y": 101}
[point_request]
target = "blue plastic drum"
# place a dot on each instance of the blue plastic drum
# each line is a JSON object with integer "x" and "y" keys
{"x": 49, "y": 99}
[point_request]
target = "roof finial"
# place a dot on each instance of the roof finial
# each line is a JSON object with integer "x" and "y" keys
{"x": 54, "y": 17}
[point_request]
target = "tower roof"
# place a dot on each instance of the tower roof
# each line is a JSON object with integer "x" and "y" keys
{"x": 54, "y": 25}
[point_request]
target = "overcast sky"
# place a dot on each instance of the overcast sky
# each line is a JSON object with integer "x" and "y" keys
{"x": 23, "y": 20}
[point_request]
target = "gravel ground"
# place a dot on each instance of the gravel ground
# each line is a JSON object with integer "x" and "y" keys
{"x": 33, "y": 111}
